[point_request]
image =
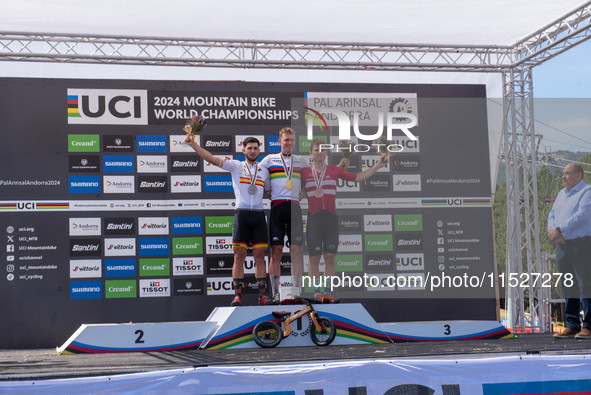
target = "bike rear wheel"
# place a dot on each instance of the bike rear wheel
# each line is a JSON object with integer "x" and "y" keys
{"x": 327, "y": 336}
{"x": 267, "y": 334}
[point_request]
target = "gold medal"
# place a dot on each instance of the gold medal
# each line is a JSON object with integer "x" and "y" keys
{"x": 319, "y": 193}
{"x": 289, "y": 184}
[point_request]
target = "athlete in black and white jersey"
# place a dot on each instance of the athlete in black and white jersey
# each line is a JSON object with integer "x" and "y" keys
{"x": 250, "y": 227}
{"x": 286, "y": 216}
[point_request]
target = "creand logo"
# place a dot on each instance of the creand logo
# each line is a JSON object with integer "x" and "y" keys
{"x": 344, "y": 123}
{"x": 108, "y": 106}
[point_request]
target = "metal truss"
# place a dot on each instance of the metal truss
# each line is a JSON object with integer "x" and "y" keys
{"x": 515, "y": 62}
{"x": 523, "y": 243}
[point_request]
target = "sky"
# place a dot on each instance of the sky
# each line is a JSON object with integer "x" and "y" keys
{"x": 562, "y": 100}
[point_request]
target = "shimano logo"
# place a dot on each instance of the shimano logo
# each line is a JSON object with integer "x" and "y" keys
{"x": 84, "y": 184}
{"x": 151, "y": 143}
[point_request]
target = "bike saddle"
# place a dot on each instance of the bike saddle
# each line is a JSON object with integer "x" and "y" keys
{"x": 281, "y": 314}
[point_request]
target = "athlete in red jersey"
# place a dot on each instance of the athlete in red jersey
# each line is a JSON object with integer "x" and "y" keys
{"x": 322, "y": 228}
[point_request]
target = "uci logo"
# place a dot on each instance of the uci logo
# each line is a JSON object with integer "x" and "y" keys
{"x": 455, "y": 202}
{"x": 108, "y": 106}
{"x": 26, "y": 206}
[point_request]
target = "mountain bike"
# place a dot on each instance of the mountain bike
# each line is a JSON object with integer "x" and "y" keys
{"x": 269, "y": 334}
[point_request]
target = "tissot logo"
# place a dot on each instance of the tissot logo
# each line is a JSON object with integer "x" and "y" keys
{"x": 153, "y": 225}
{"x": 218, "y": 245}
{"x": 152, "y": 184}
{"x": 219, "y": 286}
{"x": 409, "y": 242}
{"x": 218, "y": 143}
{"x": 85, "y": 226}
{"x": 119, "y": 226}
{"x": 116, "y": 143}
{"x": 120, "y": 247}
{"x": 152, "y": 164}
{"x": 108, "y": 106}
{"x": 85, "y": 247}
{"x": 184, "y": 163}
{"x": 154, "y": 288}
{"x": 410, "y": 261}
{"x": 187, "y": 266}
{"x": 84, "y": 164}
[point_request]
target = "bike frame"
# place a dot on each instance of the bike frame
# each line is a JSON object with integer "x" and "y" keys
{"x": 298, "y": 314}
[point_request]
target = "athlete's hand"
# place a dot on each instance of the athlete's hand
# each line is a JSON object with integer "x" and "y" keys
{"x": 188, "y": 139}
{"x": 302, "y": 195}
{"x": 383, "y": 161}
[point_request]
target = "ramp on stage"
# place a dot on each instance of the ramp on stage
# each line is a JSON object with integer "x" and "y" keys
{"x": 47, "y": 364}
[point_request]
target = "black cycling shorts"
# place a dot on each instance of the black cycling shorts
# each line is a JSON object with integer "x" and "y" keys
{"x": 286, "y": 217}
{"x": 322, "y": 231}
{"x": 249, "y": 228}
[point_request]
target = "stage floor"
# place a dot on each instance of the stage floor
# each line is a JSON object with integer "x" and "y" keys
{"x": 46, "y": 363}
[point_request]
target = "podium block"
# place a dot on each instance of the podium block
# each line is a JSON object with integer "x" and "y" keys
{"x": 146, "y": 337}
{"x": 445, "y": 330}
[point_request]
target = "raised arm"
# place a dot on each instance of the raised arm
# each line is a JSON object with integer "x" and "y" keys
{"x": 203, "y": 153}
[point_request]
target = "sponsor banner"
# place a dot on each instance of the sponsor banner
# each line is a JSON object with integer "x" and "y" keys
{"x": 187, "y": 266}
{"x": 188, "y": 286}
{"x": 86, "y": 268}
{"x": 221, "y": 265}
{"x": 273, "y": 145}
{"x": 368, "y": 161}
{"x": 177, "y": 143}
{"x": 154, "y": 288}
{"x": 249, "y": 265}
{"x": 410, "y": 222}
{"x": 151, "y": 144}
{"x": 185, "y": 184}
{"x": 118, "y": 184}
{"x": 120, "y": 247}
{"x": 285, "y": 264}
{"x": 152, "y": 164}
{"x": 108, "y": 106}
{"x": 406, "y": 164}
{"x": 380, "y": 282}
{"x": 218, "y": 184}
{"x": 185, "y": 163}
{"x": 350, "y": 243}
{"x": 379, "y": 263}
{"x": 85, "y": 247}
{"x": 153, "y": 225}
{"x": 187, "y": 245}
{"x": 118, "y": 164}
{"x": 154, "y": 246}
{"x": 116, "y": 143}
{"x": 120, "y": 267}
{"x": 152, "y": 184}
{"x": 154, "y": 267}
{"x": 409, "y": 242}
{"x": 186, "y": 225}
{"x": 86, "y": 289}
{"x": 349, "y": 263}
{"x": 115, "y": 289}
{"x": 354, "y": 161}
{"x": 211, "y": 168}
{"x": 414, "y": 261}
{"x": 219, "y": 286}
{"x": 381, "y": 242}
{"x": 405, "y": 183}
{"x": 215, "y": 143}
{"x": 408, "y": 146}
{"x": 222, "y": 224}
{"x": 376, "y": 183}
{"x": 83, "y": 143}
{"x": 84, "y": 184}
{"x": 84, "y": 163}
{"x": 410, "y": 281}
{"x": 377, "y": 223}
{"x": 85, "y": 226}
{"x": 119, "y": 226}
{"x": 239, "y": 139}
{"x": 306, "y": 260}
{"x": 303, "y": 143}
{"x": 349, "y": 223}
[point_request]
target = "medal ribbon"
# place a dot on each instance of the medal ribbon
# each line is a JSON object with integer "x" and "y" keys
{"x": 256, "y": 171}
{"x": 318, "y": 180}
{"x": 288, "y": 172}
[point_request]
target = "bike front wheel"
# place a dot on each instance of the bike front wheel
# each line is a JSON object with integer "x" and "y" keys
{"x": 323, "y": 338}
{"x": 267, "y": 334}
